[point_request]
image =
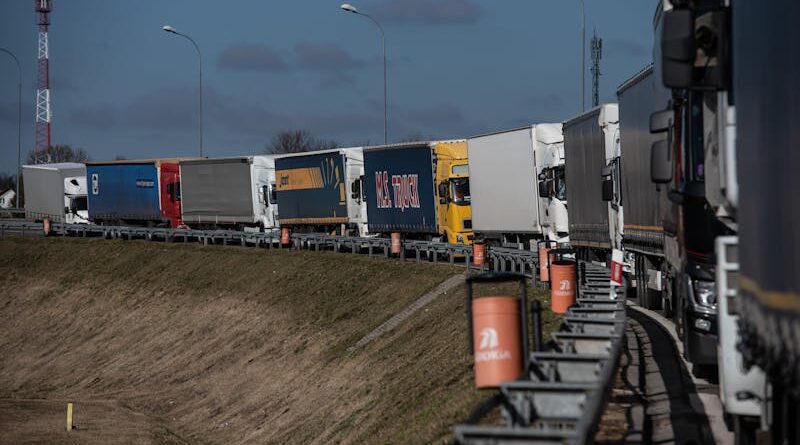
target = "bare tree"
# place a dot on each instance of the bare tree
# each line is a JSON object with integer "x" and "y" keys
{"x": 58, "y": 153}
{"x": 7, "y": 182}
{"x": 416, "y": 137}
{"x": 297, "y": 141}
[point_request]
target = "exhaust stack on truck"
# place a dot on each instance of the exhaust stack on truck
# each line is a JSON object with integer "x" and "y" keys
{"x": 419, "y": 189}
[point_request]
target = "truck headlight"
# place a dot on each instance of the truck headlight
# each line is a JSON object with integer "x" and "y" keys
{"x": 702, "y": 325}
{"x": 705, "y": 293}
{"x": 460, "y": 239}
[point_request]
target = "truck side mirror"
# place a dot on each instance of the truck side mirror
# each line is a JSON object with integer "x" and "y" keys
{"x": 608, "y": 190}
{"x": 661, "y": 121}
{"x": 660, "y": 162}
{"x": 678, "y": 48}
{"x": 544, "y": 191}
{"x": 443, "y": 193}
{"x": 265, "y": 193}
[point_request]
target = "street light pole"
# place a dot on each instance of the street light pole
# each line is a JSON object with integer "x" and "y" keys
{"x": 172, "y": 30}
{"x": 19, "y": 119}
{"x": 583, "y": 55}
{"x": 350, "y": 8}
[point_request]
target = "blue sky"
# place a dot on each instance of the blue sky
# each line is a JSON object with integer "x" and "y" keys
{"x": 121, "y": 86}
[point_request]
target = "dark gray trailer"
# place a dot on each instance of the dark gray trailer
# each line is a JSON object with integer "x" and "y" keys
{"x": 650, "y": 222}
{"x": 591, "y": 157}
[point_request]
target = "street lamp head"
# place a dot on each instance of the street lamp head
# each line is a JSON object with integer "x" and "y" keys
{"x": 168, "y": 28}
{"x": 349, "y": 8}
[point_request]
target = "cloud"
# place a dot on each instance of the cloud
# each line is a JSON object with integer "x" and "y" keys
{"x": 251, "y": 57}
{"x": 627, "y": 47}
{"x": 436, "y": 115}
{"x": 429, "y": 12}
{"x": 98, "y": 116}
{"x": 324, "y": 57}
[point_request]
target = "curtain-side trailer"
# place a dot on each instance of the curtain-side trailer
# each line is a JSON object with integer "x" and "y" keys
{"x": 420, "y": 190}
{"x": 591, "y": 152}
{"x": 650, "y": 218}
{"x": 235, "y": 192}
{"x": 321, "y": 191}
{"x": 137, "y": 192}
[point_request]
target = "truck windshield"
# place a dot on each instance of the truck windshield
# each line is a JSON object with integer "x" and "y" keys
{"x": 460, "y": 191}
{"x": 79, "y": 204}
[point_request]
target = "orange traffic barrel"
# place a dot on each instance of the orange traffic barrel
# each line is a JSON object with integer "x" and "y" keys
{"x": 562, "y": 287}
{"x": 479, "y": 253}
{"x": 544, "y": 263}
{"x": 396, "y": 245}
{"x": 496, "y": 336}
{"x": 46, "y": 226}
{"x": 285, "y": 236}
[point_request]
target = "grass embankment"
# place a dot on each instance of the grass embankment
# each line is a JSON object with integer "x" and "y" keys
{"x": 159, "y": 343}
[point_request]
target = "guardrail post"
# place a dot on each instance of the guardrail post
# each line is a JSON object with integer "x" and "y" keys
{"x": 536, "y": 315}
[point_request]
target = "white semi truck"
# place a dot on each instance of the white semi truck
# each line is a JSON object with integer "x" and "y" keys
{"x": 517, "y": 186}
{"x": 235, "y": 192}
{"x": 56, "y": 192}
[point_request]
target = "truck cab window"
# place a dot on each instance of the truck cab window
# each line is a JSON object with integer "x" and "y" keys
{"x": 460, "y": 191}
{"x": 79, "y": 204}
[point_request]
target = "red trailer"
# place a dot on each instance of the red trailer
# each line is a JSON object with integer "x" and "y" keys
{"x": 170, "y": 191}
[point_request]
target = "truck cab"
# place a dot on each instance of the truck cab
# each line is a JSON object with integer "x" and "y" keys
{"x": 76, "y": 210}
{"x": 452, "y": 176}
{"x": 548, "y": 141}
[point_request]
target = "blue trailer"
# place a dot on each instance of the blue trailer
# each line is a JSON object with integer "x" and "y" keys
{"x": 321, "y": 191}
{"x": 126, "y": 192}
{"x": 415, "y": 211}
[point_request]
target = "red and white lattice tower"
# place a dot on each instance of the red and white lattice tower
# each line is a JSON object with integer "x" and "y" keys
{"x": 43, "y": 113}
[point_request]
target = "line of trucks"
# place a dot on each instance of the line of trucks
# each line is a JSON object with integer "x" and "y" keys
{"x": 695, "y": 185}
{"x": 421, "y": 190}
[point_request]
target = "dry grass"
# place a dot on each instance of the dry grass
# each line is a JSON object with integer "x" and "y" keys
{"x": 189, "y": 344}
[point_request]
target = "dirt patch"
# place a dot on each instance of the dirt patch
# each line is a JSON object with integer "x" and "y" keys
{"x": 180, "y": 343}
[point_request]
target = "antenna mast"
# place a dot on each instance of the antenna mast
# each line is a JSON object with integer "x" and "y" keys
{"x": 43, "y": 113}
{"x": 597, "y": 54}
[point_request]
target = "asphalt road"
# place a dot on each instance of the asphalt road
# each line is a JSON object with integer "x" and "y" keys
{"x": 679, "y": 407}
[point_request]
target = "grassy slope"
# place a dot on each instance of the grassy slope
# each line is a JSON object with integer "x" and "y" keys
{"x": 232, "y": 345}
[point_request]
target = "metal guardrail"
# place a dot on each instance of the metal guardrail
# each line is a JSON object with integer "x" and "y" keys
{"x": 502, "y": 259}
{"x": 12, "y": 212}
{"x": 559, "y": 400}
{"x": 561, "y": 397}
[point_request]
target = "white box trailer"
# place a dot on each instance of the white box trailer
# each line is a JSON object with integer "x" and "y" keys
{"x": 514, "y": 178}
{"x": 234, "y": 192}
{"x": 56, "y": 192}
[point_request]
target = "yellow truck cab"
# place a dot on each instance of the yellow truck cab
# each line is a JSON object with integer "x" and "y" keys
{"x": 454, "y": 212}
